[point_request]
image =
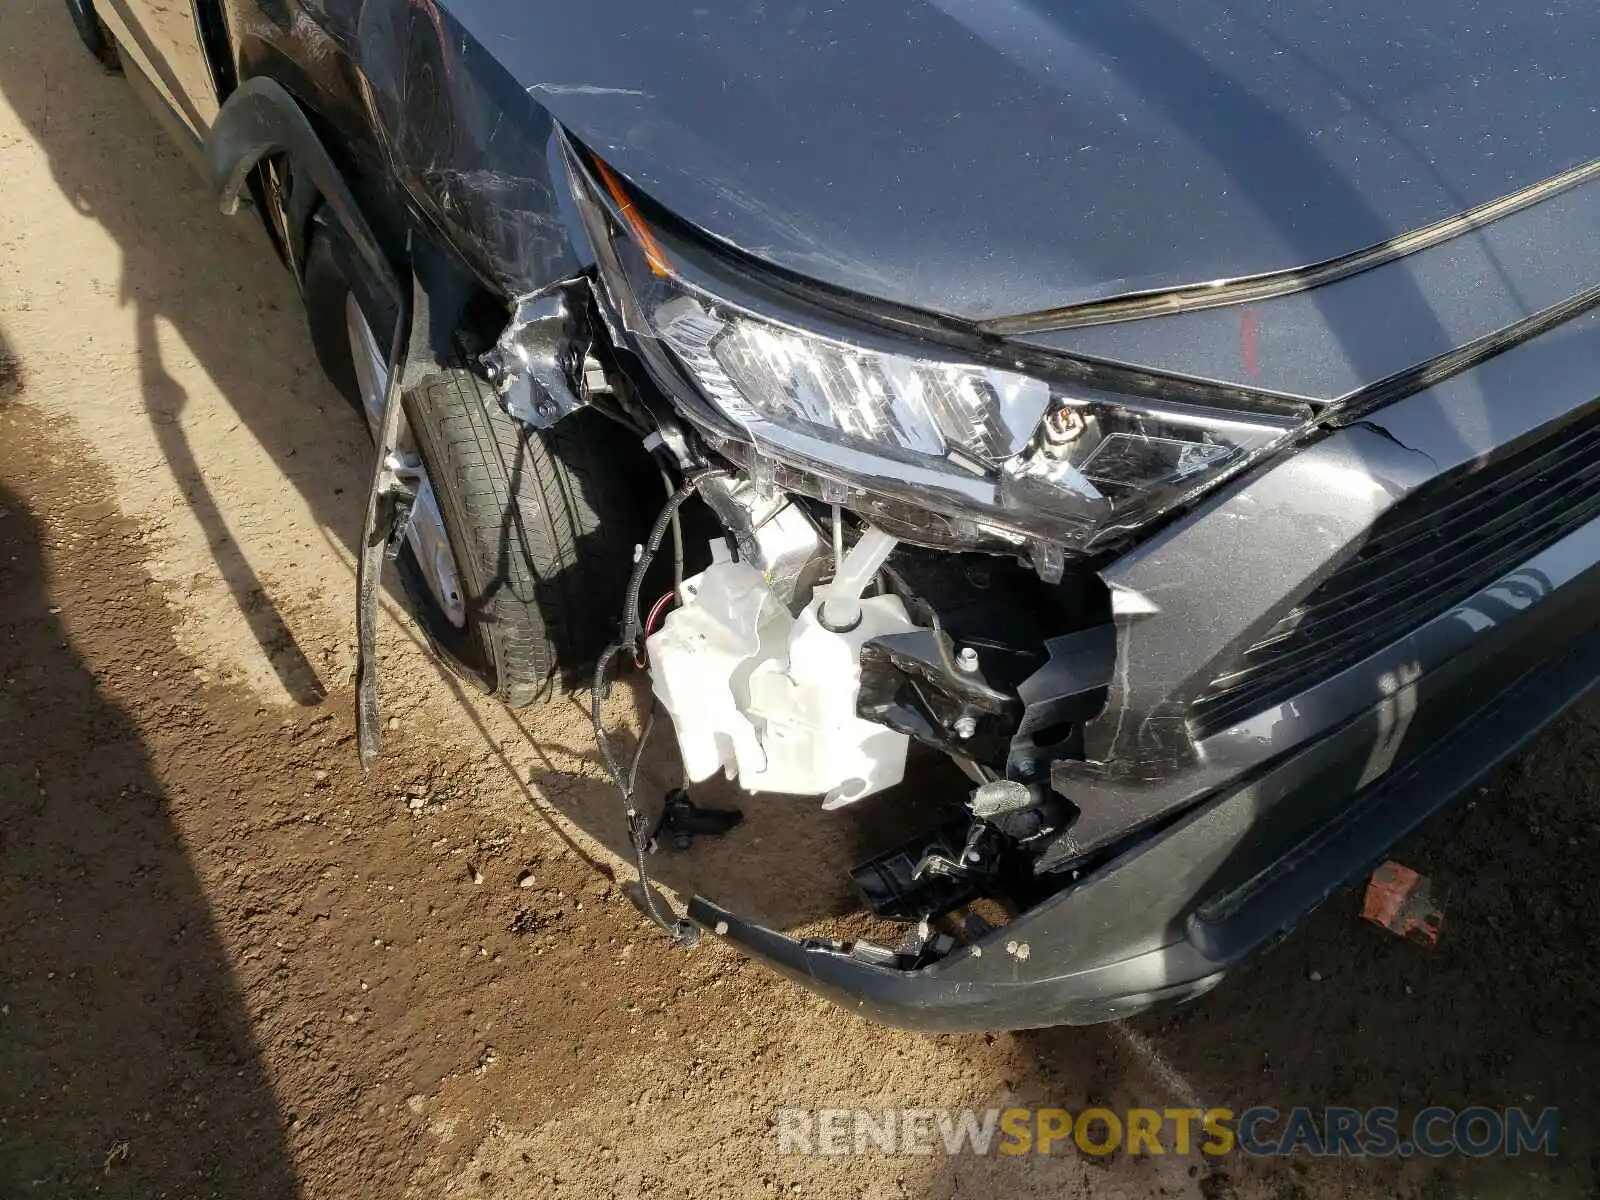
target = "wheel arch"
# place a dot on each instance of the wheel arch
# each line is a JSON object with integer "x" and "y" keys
{"x": 261, "y": 118}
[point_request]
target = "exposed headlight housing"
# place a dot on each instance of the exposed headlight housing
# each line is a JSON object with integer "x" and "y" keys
{"x": 941, "y": 449}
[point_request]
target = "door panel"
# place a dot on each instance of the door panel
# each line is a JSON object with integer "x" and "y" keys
{"x": 164, "y": 40}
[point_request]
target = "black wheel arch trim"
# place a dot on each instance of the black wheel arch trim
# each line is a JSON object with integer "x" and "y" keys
{"x": 260, "y": 118}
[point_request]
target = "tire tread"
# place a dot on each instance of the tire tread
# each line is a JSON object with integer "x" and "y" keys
{"x": 545, "y": 577}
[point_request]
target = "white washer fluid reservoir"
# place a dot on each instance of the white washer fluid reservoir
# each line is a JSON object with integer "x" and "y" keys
{"x": 768, "y": 698}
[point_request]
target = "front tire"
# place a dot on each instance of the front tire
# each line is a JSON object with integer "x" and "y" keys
{"x": 541, "y": 526}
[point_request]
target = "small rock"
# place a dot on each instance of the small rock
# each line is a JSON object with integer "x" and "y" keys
{"x": 394, "y": 722}
{"x": 321, "y": 777}
{"x": 477, "y": 875}
{"x": 417, "y": 803}
{"x": 417, "y": 1103}
{"x": 525, "y": 879}
{"x": 1315, "y": 976}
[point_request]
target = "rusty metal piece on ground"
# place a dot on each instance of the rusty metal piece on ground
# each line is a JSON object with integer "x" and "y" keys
{"x": 1401, "y": 901}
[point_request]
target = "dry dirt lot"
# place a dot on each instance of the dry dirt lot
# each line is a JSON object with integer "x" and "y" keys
{"x": 232, "y": 965}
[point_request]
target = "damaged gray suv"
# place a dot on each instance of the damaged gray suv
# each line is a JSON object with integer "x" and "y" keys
{"x": 1183, "y": 418}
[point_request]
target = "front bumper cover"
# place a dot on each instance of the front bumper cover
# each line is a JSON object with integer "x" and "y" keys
{"x": 1166, "y": 921}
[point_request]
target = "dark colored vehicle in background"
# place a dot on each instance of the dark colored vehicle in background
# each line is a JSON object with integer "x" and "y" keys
{"x": 1183, "y": 417}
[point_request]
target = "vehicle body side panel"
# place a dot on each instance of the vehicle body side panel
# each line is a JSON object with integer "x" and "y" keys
{"x": 424, "y": 109}
{"x": 164, "y": 41}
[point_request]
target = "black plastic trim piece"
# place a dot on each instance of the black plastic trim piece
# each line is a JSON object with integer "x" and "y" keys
{"x": 262, "y": 118}
{"x": 1252, "y": 289}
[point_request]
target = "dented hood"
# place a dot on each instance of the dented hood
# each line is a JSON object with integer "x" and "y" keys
{"x": 991, "y": 157}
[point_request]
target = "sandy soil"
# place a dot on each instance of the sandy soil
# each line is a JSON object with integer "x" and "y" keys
{"x": 232, "y": 965}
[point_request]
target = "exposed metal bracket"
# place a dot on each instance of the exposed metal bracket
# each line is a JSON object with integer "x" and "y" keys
{"x": 1048, "y": 559}
{"x": 537, "y": 366}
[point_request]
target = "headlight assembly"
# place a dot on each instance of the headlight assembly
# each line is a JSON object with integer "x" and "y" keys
{"x": 939, "y": 449}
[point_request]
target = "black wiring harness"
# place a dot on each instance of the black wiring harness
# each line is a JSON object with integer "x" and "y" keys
{"x": 683, "y": 931}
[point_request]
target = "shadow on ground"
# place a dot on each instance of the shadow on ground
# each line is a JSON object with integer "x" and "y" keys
{"x": 184, "y": 266}
{"x": 127, "y": 1062}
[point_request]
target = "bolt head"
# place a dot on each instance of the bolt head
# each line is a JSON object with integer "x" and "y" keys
{"x": 967, "y": 658}
{"x": 965, "y": 727}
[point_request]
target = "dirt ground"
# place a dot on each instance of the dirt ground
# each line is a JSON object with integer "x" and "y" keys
{"x": 233, "y": 965}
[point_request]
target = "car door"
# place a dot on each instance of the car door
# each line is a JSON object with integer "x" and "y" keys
{"x": 162, "y": 38}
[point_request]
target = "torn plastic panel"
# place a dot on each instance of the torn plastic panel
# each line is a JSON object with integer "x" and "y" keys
{"x": 840, "y": 732}
{"x": 912, "y": 686}
{"x": 749, "y": 693}
{"x": 759, "y": 686}
{"x": 1168, "y": 914}
{"x": 261, "y": 118}
{"x": 880, "y": 983}
{"x": 390, "y": 498}
{"x": 762, "y": 702}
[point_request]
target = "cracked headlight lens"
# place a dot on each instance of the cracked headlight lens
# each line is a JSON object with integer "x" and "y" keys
{"x": 940, "y": 450}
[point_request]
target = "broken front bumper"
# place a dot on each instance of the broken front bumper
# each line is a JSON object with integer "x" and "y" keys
{"x": 1248, "y": 828}
{"x": 1166, "y": 921}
